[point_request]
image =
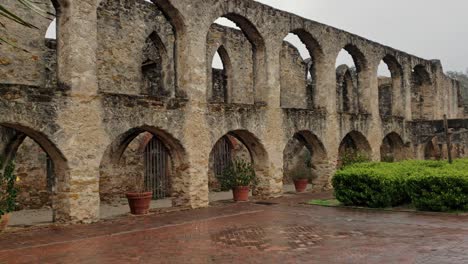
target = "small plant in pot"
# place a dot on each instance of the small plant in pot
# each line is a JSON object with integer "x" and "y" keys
{"x": 239, "y": 177}
{"x": 301, "y": 177}
{"x": 139, "y": 199}
{"x": 8, "y": 194}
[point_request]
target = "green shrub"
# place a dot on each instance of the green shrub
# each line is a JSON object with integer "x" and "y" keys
{"x": 429, "y": 185}
{"x": 440, "y": 189}
{"x": 8, "y": 191}
{"x": 363, "y": 185}
{"x": 239, "y": 173}
{"x": 351, "y": 157}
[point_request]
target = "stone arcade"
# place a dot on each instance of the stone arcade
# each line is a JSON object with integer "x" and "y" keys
{"x": 122, "y": 70}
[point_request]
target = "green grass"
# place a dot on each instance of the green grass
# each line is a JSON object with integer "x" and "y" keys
{"x": 326, "y": 202}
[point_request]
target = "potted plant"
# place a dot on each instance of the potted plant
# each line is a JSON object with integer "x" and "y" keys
{"x": 239, "y": 176}
{"x": 139, "y": 199}
{"x": 8, "y": 194}
{"x": 301, "y": 177}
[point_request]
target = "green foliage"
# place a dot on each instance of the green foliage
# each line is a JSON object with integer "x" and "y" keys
{"x": 443, "y": 188}
{"x": 239, "y": 173}
{"x": 429, "y": 185}
{"x": 351, "y": 157}
{"x": 326, "y": 202}
{"x": 364, "y": 185}
{"x": 8, "y": 191}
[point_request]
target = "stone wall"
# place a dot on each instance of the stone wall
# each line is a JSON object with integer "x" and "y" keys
{"x": 100, "y": 101}
{"x": 385, "y": 96}
{"x": 293, "y": 78}
{"x": 236, "y": 54}
{"x": 125, "y": 29}
{"x": 127, "y": 174}
{"x": 34, "y": 191}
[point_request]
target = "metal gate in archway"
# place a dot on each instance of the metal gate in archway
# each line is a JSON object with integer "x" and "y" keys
{"x": 157, "y": 162}
{"x": 222, "y": 155}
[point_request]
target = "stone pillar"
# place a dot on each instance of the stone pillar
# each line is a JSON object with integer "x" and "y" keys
{"x": 273, "y": 139}
{"x": 194, "y": 190}
{"x": 374, "y": 136}
{"x": 407, "y": 87}
{"x": 80, "y": 138}
{"x": 331, "y": 138}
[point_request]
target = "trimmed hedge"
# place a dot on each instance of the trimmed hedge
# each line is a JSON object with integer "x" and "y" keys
{"x": 429, "y": 185}
{"x": 440, "y": 189}
{"x": 369, "y": 185}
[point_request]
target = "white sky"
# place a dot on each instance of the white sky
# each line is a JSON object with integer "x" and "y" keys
{"x": 432, "y": 29}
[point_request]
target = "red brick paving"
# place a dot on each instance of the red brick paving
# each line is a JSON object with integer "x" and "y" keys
{"x": 250, "y": 233}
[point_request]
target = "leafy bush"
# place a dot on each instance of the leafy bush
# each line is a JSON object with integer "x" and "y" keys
{"x": 363, "y": 185}
{"x": 239, "y": 173}
{"x": 351, "y": 157}
{"x": 443, "y": 188}
{"x": 8, "y": 191}
{"x": 430, "y": 185}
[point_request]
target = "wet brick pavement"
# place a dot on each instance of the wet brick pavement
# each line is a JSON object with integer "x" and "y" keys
{"x": 288, "y": 232}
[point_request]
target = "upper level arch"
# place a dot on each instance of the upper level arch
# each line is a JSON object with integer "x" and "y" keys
{"x": 358, "y": 67}
{"x": 176, "y": 19}
{"x": 222, "y": 76}
{"x": 156, "y": 68}
{"x": 347, "y": 94}
{"x": 258, "y": 49}
{"x": 299, "y": 76}
{"x": 390, "y": 88}
{"x": 422, "y": 93}
{"x": 359, "y": 59}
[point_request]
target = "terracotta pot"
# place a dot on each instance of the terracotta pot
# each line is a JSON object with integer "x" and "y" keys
{"x": 4, "y": 219}
{"x": 241, "y": 193}
{"x": 139, "y": 202}
{"x": 301, "y": 185}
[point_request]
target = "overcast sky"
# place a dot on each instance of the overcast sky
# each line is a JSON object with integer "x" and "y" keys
{"x": 432, "y": 29}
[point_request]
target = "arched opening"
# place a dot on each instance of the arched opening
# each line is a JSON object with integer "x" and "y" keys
{"x": 173, "y": 68}
{"x": 422, "y": 95}
{"x": 433, "y": 150}
{"x": 385, "y": 86}
{"x": 238, "y": 37}
{"x": 51, "y": 32}
{"x": 354, "y": 148}
{"x": 392, "y": 148}
{"x": 459, "y": 150}
{"x": 51, "y": 56}
{"x": 299, "y": 57}
{"x": 236, "y": 145}
{"x": 39, "y": 172}
{"x": 143, "y": 159}
{"x": 154, "y": 63}
{"x": 390, "y": 80}
{"x": 221, "y": 76}
{"x": 305, "y": 154}
{"x": 346, "y": 89}
{"x": 350, "y": 66}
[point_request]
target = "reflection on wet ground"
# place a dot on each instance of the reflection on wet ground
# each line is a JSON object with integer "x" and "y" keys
{"x": 285, "y": 232}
